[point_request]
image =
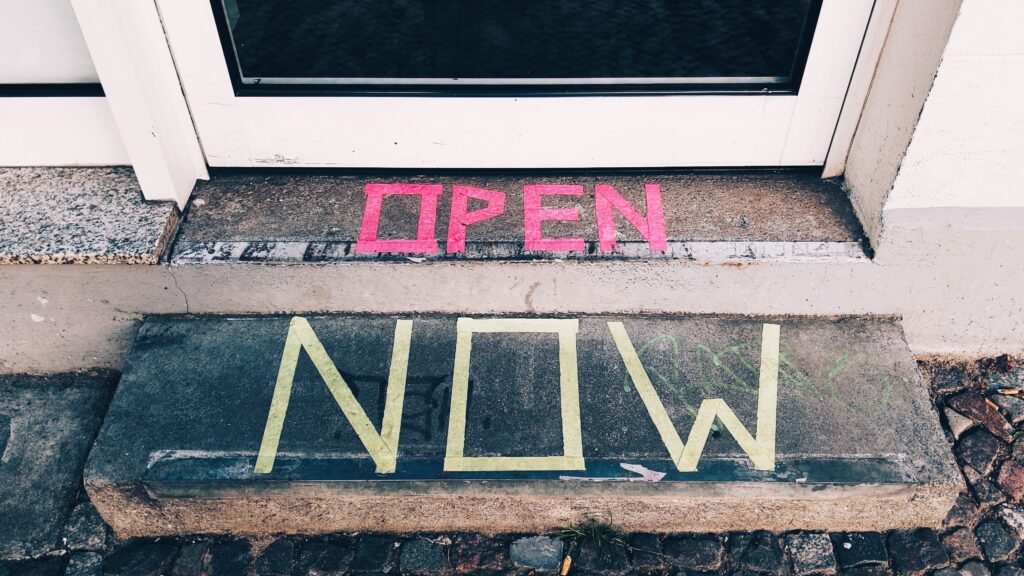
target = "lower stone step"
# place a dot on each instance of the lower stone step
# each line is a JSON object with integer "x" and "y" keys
{"x": 431, "y": 423}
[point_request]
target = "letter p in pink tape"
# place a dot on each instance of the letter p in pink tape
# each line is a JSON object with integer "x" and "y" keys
{"x": 461, "y": 218}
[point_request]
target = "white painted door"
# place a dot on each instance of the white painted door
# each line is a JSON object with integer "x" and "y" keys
{"x": 267, "y": 110}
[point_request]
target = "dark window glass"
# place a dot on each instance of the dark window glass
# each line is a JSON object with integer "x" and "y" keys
{"x": 518, "y": 42}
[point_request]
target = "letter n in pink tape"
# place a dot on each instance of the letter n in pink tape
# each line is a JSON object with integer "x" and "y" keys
{"x": 534, "y": 213}
{"x": 425, "y": 242}
{"x": 651, "y": 228}
{"x": 460, "y": 218}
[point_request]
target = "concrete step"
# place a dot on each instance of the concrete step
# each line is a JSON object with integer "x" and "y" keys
{"x": 435, "y": 423}
{"x": 251, "y": 216}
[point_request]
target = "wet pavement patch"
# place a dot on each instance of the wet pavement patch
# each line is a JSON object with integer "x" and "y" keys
{"x": 47, "y": 424}
{"x": 328, "y": 423}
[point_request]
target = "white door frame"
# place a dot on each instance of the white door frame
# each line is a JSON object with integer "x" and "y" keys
{"x": 404, "y": 131}
{"x": 131, "y": 56}
{"x": 132, "y": 43}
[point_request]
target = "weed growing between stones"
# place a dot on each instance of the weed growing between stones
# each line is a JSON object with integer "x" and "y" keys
{"x": 591, "y": 537}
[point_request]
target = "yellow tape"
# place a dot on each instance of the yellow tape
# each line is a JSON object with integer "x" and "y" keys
{"x": 569, "y": 384}
{"x": 572, "y": 435}
{"x": 511, "y": 464}
{"x": 383, "y": 448}
{"x": 761, "y": 449}
{"x": 510, "y": 325}
{"x": 644, "y": 387}
{"x": 460, "y": 395}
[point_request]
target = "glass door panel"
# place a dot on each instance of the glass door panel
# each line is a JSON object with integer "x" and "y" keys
{"x": 682, "y": 44}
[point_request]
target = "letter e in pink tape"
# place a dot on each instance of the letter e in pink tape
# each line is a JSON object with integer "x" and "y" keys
{"x": 534, "y": 213}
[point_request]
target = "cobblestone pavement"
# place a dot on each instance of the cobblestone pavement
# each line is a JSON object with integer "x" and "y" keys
{"x": 982, "y": 534}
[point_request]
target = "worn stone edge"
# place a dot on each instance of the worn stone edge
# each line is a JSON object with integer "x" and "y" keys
{"x": 132, "y": 511}
{"x": 294, "y": 252}
{"x": 160, "y": 251}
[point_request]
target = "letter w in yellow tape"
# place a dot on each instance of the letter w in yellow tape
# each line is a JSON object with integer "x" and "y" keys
{"x": 383, "y": 447}
{"x": 760, "y": 448}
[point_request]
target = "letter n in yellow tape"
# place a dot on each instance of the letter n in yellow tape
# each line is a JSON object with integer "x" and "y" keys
{"x": 572, "y": 436}
{"x": 760, "y": 448}
{"x": 383, "y": 447}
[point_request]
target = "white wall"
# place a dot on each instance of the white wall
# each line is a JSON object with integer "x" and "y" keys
{"x": 965, "y": 164}
{"x": 40, "y": 43}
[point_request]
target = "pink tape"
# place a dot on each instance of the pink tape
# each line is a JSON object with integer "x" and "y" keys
{"x": 652, "y": 228}
{"x": 425, "y": 242}
{"x": 460, "y": 218}
{"x": 534, "y": 213}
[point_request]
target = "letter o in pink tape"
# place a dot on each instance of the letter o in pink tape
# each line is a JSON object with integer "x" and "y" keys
{"x": 425, "y": 242}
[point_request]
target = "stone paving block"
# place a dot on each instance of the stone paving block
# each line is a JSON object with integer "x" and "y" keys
{"x": 376, "y": 554}
{"x": 420, "y": 556}
{"x": 1011, "y": 406}
{"x": 50, "y": 566}
{"x": 869, "y": 570}
{"x": 1013, "y": 516}
{"x": 961, "y": 545}
{"x": 694, "y": 551}
{"x": 760, "y": 551}
{"x": 916, "y": 551}
{"x": 325, "y": 559}
{"x": 647, "y": 552}
{"x": 552, "y": 421}
{"x": 996, "y": 540}
{"x": 979, "y": 450}
{"x": 192, "y": 560}
{"x": 946, "y": 379}
{"x": 964, "y": 512}
{"x": 85, "y": 529}
{"x": 1011, "y": 479}
{"x": 958, "y": 423}
{"x": 47, "y": 424}
{"x": 810, "y": 553}
{"x": 140, "y": 559}
{"x": 539, "y": 552}
{"x": 230, "y": 558}
{"x": 84, "y": 564}
{"x": 985, "y": 491}
{"x": 606, "y": 559}
{"x": 276, "y": 559}
{"x": 860, "y": 548}
{"x": 973, "y": 568}
{"x": 471, "y": 553}
{"x": 973, "y": 405}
